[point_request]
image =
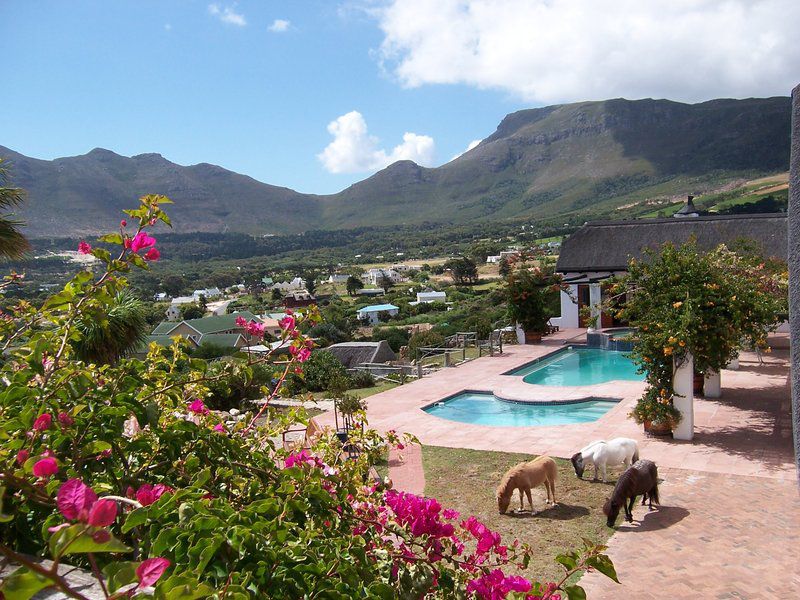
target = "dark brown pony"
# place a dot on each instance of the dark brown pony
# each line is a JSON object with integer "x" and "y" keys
{"x": 640, "y": 478}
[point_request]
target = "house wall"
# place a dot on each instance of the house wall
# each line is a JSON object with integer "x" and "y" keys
{"x": 569, "y": 310}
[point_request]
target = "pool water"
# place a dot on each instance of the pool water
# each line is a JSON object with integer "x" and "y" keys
{"x": 482, "y": 408}
{"x": 580, "y": 366}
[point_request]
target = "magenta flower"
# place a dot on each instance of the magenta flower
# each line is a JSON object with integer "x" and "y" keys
{"x": 152, "y": 254}
{"x": 75, "y": 499}
{"x": 22, "y": 456}
{"x": 219, "y": 427}
{"x": 123, "y": 223}
{"x": 148, "y": 494}
{"x": 142, "y": 241}
{"x": 303, "y": 354}
{"x": 43, "y": 422}
{"x": 65, "y": 419}
{"x": 103, "y": 513}
{"x": 255, "y": 329}
{"x": 241, "y": 321}
{"x": 287, "y": 323}
{"x": 198, "y": 407}
{"x": 45, "y": 467}
{"x": 84, "y": 248}
{"x": 150, "y": 570}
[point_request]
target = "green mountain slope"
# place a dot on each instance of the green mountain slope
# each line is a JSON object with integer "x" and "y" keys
{"x": 582, "y": 160}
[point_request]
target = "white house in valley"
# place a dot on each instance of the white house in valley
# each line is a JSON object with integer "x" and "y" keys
{"x": 374, "y": 312}
{"x": 375, "y": 276}
{"x": 431, "y": 296}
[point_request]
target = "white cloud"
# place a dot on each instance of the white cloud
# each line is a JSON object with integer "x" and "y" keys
{"x": 354, "y": 150}
{"x": 227, "y": 14}
{"x": 471, "y": 145}
{"x": 569, "y": 50}
{"x": 279, "y": 26}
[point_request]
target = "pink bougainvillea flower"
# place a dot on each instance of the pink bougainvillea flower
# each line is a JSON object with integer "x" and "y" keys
{"x": 220, "y": 428}
{"x": 198, "y": 407}
{"x": 84, "y": 248}
{"x": 104, "y": 454}
{"x": 101, "y": 536}
{"x": 102, "y": 514}
{"x": 303, "y": 354}
{"x": 43, "y": 422}
{"x": 45, "y": 467}
{"x": 152, "y": 254}
{"x": 74, "y": 500}
{"x": 287, "y": 323}
{"x": 141, "y": 241}
{"x": 150, "y": 570}
{"x": 123, "y": 223}
{"x": 65, "y": 419}
{"x": 152, "y": 221}
{"x": 148, "y": 494}
{"x": 22, "y": 456}
{"x": 241, "y": 321}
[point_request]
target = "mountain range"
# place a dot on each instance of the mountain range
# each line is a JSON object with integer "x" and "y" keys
{"x": 568, "y": 162}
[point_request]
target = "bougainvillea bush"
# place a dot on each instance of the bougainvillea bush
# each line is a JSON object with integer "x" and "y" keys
{"x": 123, "y": 470}
{"x": 709, "y": 304}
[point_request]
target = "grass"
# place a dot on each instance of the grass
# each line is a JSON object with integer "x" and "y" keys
{"x": 466, "y": 480}
{"x": 380, "y": 386}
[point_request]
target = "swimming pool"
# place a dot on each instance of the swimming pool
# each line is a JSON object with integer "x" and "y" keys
{"x": 579, "y": 366}
{"x": 483, "y": 408}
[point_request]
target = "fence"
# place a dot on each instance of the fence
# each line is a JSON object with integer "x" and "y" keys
{"x": 461, "y": 347}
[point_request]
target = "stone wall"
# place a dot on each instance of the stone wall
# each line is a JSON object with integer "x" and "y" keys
{"x": 794, "y": 269}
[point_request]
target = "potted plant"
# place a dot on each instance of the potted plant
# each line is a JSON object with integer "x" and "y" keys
{"x": 527, "y": 291}
{"x": 655, "y": 411}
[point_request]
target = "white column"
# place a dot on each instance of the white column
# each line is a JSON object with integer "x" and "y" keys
{"x": 520, "y": 334}
{"x": 712, "y": 384}
{"x": 734, "y": 364}
{"x": 595, "y": 299}
{"x": 683, "y": 399}
{"x": 569, "y": 308}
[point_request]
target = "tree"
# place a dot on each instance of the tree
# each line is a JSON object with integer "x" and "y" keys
{"x": 385, "y": 281}
{"x": 353, "y": 285}
{"x": 192, "y": 311}
{"x": 174, "y": 285}
{"x": 310, "y": 280}
{"x": 12, "y": 243}
{"x": 107, "y": 337}
{"x": 394, "y": 336}
{"x": 462, "y": 270}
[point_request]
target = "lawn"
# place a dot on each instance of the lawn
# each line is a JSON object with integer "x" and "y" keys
{"x": 466, "y": 481}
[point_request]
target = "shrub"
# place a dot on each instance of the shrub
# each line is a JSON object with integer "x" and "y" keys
{"x": 320, "y": 369}
{"x": 208, "y": 350}
{"x": 394, "y": 336}
{"x": 362, "y": 379}
{"x": 424, "y": 339}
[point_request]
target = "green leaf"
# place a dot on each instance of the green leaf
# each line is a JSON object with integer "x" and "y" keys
{"x": 135, "y": 518}
{"x": 575, "y": 592}
{"x": 182, "y": 587}
{"x": 602, "y": 563}
{"x": 111, "y": 238}
{"x": 75, "y": 540}
{"x": 96, "y": 447}
{"x": 23, "y": 584}
{"x": 120, "y": 574}
{"x": 567, "y": 560}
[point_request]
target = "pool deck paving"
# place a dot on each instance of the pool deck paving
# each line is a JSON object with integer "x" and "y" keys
{"x": 729, "y": 524}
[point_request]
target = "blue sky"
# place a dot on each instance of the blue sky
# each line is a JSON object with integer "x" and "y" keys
{"x": 253, "y": 85}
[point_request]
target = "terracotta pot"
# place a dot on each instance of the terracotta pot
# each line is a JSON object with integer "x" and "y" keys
{"x": 533, "y": 337}
{"x": 657, "y": 429}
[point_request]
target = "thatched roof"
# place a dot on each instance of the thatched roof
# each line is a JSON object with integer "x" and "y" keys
{"x": 352, "y": 354}
{"x": 609, "y": 245}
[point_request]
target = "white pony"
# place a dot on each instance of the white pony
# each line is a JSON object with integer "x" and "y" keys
{"x": 601, "y": 453}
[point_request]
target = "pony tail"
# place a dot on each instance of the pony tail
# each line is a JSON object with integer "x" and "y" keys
{"x": 635, "y": 455}
{"x": 654, "y": 494}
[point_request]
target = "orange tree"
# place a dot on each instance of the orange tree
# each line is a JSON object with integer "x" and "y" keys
{"x": 685, "y": 301}
{"x": 123, "y": 470}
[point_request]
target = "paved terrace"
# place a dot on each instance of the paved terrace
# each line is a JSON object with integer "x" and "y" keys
{"x": 729, "y": 524}
{"x": 747, "y": 431}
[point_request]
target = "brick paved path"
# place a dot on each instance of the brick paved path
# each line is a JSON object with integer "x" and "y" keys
{"x": 405, "y": 469}
{"x": 715, "y": 536}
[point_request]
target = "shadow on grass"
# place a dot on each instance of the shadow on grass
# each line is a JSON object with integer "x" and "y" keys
{"x": 658, "y": 518}
{"x": 559, "y": 512}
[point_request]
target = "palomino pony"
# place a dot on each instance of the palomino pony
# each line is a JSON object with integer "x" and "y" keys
{"x": 601, "y": 453}
{"x": 525, "y": 476}
{"x": 640, "y": 478}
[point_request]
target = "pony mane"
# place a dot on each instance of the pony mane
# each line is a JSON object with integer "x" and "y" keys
{"x": 623, "y": 483}
{"x": 502, "y": 487}
{"x": 590, "y": 445}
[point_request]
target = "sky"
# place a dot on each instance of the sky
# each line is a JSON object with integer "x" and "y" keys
{"x": 318, "y": 94}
